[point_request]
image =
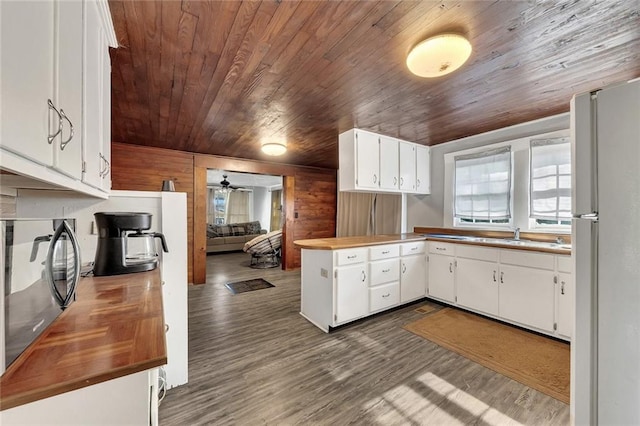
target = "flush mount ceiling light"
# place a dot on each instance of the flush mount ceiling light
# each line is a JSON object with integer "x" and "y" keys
{"x": 274, "y": 147}
{"x": 439, "y": 55}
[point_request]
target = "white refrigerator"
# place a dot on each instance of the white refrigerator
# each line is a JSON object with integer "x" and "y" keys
{"x": 605, "y": 352}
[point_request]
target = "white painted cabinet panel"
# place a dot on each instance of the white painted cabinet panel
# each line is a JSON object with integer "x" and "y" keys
{"x": 413, "y": 278}
{"x": 423, "y": 167}
{"x": 352, "y": 293}
{"x": 389, "y": 163}
{"x": 367, "y": 160}
{"x": 384, "y": 271}
{"x": 441, "y": 281}
{"x": 477, "y": 285}
{"x": 566, "y": 305}
{"x": 384, "y": 297}
{"x": 407, "y": 166}
{"x": 27, "y": 61}
{"x": 527, "y": 296}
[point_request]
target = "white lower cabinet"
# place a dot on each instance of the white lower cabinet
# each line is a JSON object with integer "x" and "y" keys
{"x": 339, "y": 286}
{"x": 351, "y": 293}
{"x": 130, "y": 400}
{"x": 565, "y": 295}
{"x": 477, "y": 285}
{"x": 531, "y": 289}
{"x": 527, "y": 295}
{"x": 413, "y": 272}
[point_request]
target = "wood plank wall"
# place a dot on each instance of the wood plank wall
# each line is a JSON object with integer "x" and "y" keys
{"x": 313, "y": 191}
{"x": 140, "y": 168}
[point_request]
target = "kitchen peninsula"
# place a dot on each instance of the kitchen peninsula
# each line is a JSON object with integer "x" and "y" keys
{"x": 524, "y": 281}
{"x": 102, "y": 349}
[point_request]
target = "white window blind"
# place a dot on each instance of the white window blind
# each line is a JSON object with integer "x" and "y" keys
{"x": 550, "y": 179}
{"x": 483, "y": 185}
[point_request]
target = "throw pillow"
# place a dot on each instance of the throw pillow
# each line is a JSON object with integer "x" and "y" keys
{"x": 237, "y": 230}
{"x": 253, "y": 227}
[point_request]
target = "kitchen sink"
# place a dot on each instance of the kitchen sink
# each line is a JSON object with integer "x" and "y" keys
{"x": 500, "y": 241}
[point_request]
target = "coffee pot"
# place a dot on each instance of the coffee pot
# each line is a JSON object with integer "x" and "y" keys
{"x": 123, "y": 247}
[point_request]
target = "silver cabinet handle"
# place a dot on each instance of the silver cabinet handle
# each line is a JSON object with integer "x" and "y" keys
{"x": 364, "y": 276}
{"x": 386, "y": 295}
{"x": 501, "y": 277}
{"x": 64, "y": 143}
{"x": 401, "y": 181}
{"x": 352, "y": 257}
{"x": 166, "y": 328}
{"x": 50, "y": 138}
{"x": 417, "y": 182}
{"x": 385, "y": 252}
{"x": 450, "y": 267}
{"x": 386, "y": 270}
{"x": 375, "y": 178}
{"x": 404, "y": 268}
{"x": 414, "y": 248}
{"x": 440, "y": 248}
{"x": 562, "y": 287}
{"x": 103, "y": 162}
{"x": 395, "y": 180}
{"x": 494, "y": 276}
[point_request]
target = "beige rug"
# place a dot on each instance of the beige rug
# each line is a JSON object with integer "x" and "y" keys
{"x": 536, "y": 361}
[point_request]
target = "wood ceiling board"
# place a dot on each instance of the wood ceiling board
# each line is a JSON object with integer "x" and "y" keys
{"x": 217, "y": 77}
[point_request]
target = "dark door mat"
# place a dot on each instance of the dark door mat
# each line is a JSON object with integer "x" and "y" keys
{"x": 248, "y": 285}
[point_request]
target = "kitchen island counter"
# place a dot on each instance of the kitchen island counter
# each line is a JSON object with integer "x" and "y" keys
{"x": 354, "y": 242}
{"x": 113, "y": 329}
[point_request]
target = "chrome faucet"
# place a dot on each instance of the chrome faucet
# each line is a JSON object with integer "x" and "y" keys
{"x": 516, "y": 234}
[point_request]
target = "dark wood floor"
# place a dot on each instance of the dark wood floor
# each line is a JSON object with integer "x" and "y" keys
{"x": 253, "y": 360}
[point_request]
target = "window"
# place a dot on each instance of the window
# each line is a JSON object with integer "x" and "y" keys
{"x": 482, "y": 189}
{"x": 550, "y": 182}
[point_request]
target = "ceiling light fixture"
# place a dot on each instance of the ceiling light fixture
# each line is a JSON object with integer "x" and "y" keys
{"x": 439, "y": 55}
{"x": 274, "y": 148}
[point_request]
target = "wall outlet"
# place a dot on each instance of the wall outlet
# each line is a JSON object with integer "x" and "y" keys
{"x": 324, "y": 273}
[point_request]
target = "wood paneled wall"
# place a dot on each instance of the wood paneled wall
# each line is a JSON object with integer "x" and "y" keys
{"x": 309, "y": 205}
{"x": 140, "y": 168}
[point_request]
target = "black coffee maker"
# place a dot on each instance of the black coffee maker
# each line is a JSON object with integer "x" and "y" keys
{"x": 122, "y": 246}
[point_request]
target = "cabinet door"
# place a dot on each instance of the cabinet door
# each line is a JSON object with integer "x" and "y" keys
{"x": 423, "y": 165}
{"x": 367, "y": 160}
{"x": 566, "y": 309}
{"x": 352, "y": 293}
{"x": 527, "y": 296}
{"x": 94, "y": 165}
{"x": 389, "y": 163}
{"x": 106, "y": 117}
{"x": 27, "y": 57}
{"x": 413, "y": 278}
{"x": 407, "y": 166}
{"x": 477, "y": 285}
{"x": 441, "y": 277}
{"x": 68, "y": 147}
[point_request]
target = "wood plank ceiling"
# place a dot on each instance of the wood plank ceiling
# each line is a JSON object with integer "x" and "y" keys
{"x": 218, "y": 77}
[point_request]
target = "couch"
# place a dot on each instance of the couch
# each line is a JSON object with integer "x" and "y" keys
{"x": 231, "y": 237}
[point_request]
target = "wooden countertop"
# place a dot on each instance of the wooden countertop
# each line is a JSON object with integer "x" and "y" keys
{"x": 353, "y": 242}
{"x": 114, "y": 328}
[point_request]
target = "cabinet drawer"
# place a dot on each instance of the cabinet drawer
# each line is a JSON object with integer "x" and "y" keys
{"x": 442, "y": 248}
{"x": 478, "y": 253}
{"x": 417, "y": 247}
{"x": 527, "y": 258}
{"x": 384, "y": 296}
{"x": 384, "y": 252}
{"x": 350, "y": 256}
{"x": 565, "y": 264}
{"x": 384, "y": 271}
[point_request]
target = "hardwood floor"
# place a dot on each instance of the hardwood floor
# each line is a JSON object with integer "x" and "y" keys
{"x": 254, "y": 360}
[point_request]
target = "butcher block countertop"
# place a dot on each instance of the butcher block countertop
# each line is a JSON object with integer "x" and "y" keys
{"x": 353, "y": 242}
{"x": 114, "y": 328}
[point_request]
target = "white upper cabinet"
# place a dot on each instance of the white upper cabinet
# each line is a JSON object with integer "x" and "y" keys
{"x": 369, "y": 162}
{"x": 68, "y": 146}
{"x": 27, "y": 61}
{"x": 49, "y": 91}
{"x": 407, "y": 166}
{"x": 423, "y": 166}
{"x": 97, "y": 99}
{"x": 389, "y": 162}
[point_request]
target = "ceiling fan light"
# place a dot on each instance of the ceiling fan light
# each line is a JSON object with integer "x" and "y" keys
{"x": 439, "y": 55}
{"x": 274, "y": 148}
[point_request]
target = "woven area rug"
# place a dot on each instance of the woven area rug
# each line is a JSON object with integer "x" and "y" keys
{"x": 248, "y": 285}
{"x": 533, "y": 360}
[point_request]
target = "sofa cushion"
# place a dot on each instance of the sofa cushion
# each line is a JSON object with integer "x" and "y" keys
{"x": 234, "y": 239}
